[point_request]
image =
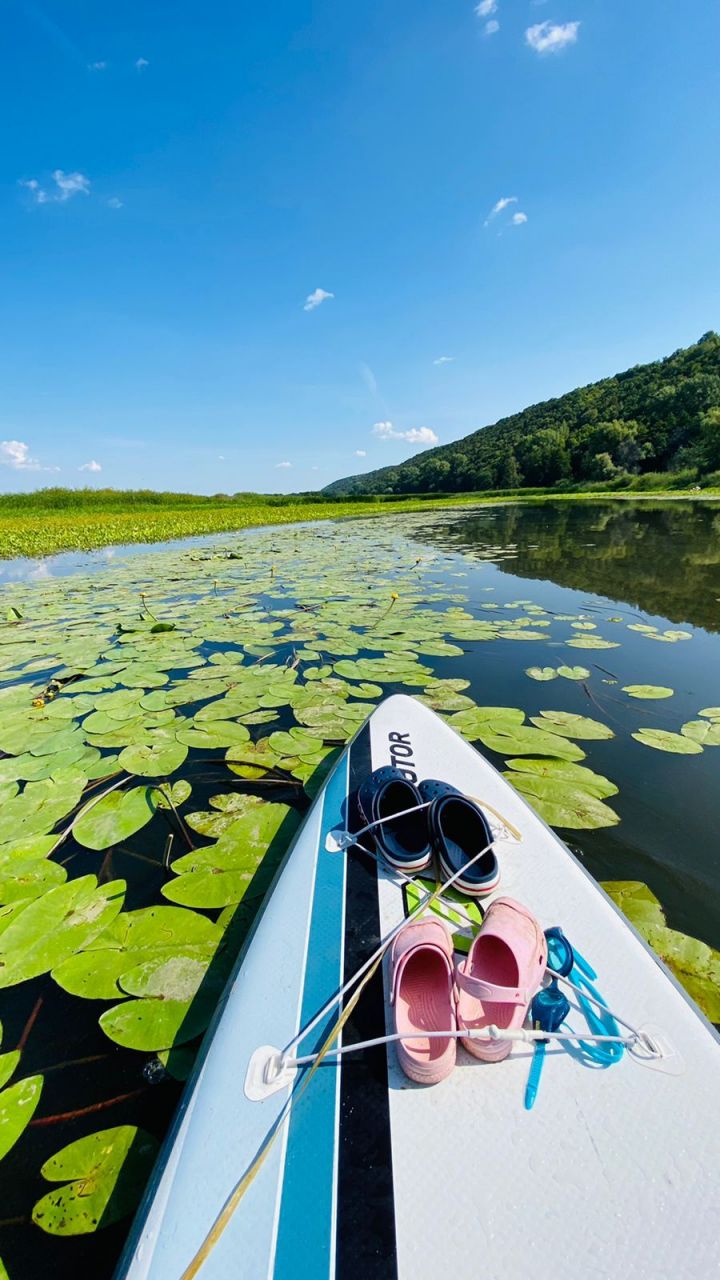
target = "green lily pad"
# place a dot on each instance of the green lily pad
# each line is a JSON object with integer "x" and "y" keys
{"x": 573, "y": 673}
{"x": 17, "y": 1107}
{"x": 663, "y": 740}
{"x": 541, "y": 673}
{"x": 213, "y": 736}
{"x": 176, "y": 792}
{"x": 105, "y": 1175}
{"x": 47, "y": 930}
{"x": 647, "y": 691}
{"x": 706, "y": 732}
{"x": 115, "y": 817}
{"x": 712, "y": 713}
{"x": 8, "y": 1065}
{"x": 576, "y": 775}
{"x": 592, "y": 642}
{"x": 153, "y": 760}
{"x": 563, "y": 805}
{"x": 29, "y": 879}
{"x": 572, "y": 726}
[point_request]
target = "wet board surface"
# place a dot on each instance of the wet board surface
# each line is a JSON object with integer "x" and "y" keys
{"x": 612, "y": 1173}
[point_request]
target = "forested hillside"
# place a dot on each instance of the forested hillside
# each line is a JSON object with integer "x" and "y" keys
{"x": 657, "y": 417}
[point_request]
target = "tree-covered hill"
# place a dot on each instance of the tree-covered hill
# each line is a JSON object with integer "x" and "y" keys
{"x": 657, "y": 417}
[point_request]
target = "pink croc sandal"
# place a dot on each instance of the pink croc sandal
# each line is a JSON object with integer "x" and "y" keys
{"x": 500, "y": 976}
{"x": 423, "y": 1000}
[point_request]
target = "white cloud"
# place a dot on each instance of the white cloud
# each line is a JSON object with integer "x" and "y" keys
{"x": 67, "y": 185}
{"x": 314, "y": 299}
{"x": 114, "y": 203}
{"x": 444, "y": 360}
{"x": 491, "y": 28}
{"x": 485, "y": 8}
{"x": 16, "y": 454}
{"x": 97, "y": 66}
{"x": 498, "y": 207}
{"x": 70, "y": 184}
{"x": 141, "y": 64}
{"x": 416, "y": 435}
{"x": 90, "y": 466}
{"x": 361, "y": 453}
{"x": 282, "y": 466}
{"x": 551, "y": 37}
{"x": 421, "y": 435}
{"x": 518, "y": 219}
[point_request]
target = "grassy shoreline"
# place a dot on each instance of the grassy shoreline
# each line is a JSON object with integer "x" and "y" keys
{"x": 52, "y": 529}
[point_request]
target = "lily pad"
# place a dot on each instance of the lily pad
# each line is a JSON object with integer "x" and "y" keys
{"x": 663, "y": 740}
{"x": 706, "y": 732}
{"x": 17, "y": 1107}
{"x": 563, "y": 805}
{"x": 105, "y": 1175}
{"x": 647, "y": 691}
{"x": 115, "y": 817}
{"x": 572, "y": 726}
{"x": 573, "y": 673}
{"x": 153, "y": 760}
{"x": 47, "y": 930}
{"x": 541, "y": 673}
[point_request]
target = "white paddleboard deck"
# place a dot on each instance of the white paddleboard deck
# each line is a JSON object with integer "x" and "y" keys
{"x": 613, "y": 1173}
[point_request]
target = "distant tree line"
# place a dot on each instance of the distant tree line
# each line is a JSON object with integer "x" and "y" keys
{"x": 659, "y": 417}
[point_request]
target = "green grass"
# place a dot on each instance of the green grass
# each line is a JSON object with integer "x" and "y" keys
{"x": 52, "y": 520}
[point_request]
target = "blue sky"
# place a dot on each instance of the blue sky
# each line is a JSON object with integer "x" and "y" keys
{"x": 178, "y": 179}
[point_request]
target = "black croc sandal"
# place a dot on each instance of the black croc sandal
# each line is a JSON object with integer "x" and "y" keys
{"x": 459, "y": 830}
{"x": 403, "y": 843}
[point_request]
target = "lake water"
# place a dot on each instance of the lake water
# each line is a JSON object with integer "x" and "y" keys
{"x": 584, "y": 569}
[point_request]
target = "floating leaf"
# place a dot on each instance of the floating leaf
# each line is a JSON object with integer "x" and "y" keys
{"x": 571, "y": 726}
{"x": 576, "y": 775}
{"x": 647, "y": 691}
{"x": 105, "y": 1175}
{"x": 153, "y": 760}
{"x": 573, "y": 673}
{"x": 663, "y": 740}
{"x": 29, "y": 879}
{"x": 8, "y": 1064}
{"x": 115, "y": 817}
{"x": 712, "y": 713}
{"x": 705, "y": 731}
{"x": 17, "y": 1107}
{"x": 541, "y": 673}
{"x": 592, "y": 642}
{"x": 44, "y": 932}
{"x": 213, "y": 736}
{"x": 562, "y": 804}
{"x": 176, "y": 792}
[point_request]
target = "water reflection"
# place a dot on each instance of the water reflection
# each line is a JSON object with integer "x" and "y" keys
{"x": 661, "y": 557}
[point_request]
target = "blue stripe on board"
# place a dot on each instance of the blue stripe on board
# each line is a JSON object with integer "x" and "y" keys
{"x": 305, "y": 1231}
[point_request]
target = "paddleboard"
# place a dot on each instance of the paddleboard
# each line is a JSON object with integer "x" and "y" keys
{"x": 613, "y": 1173}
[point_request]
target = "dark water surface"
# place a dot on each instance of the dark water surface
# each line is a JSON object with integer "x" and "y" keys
{"x": 614, "y": 563}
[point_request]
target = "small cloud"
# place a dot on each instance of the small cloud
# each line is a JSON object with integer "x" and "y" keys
{"x": 314, "y": 468}
{"x": 114, "y": 203}
{"x": 16, "y": 454}
{"x": 90, "y": 466}
{"x": 491, "y": 28}
{"x": 361, "y": 453}
{"x": 282, "y": 466}
{"x": 67, "y": 185}
{"x": 416, "y": 435}
{"x": 315, "y": 298}
{"x": 444, "y": 360}
{"x": 498, "y": 207}
{"x": 221, "y": 457}
{"x": 518, "y": 219}
{"x": 551, "y": 37}
{"x": 70, "y": 184}
{"x": 141, "y": 64}
{"x": 97, "y": 66}
{"x": 485, "y": 8}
